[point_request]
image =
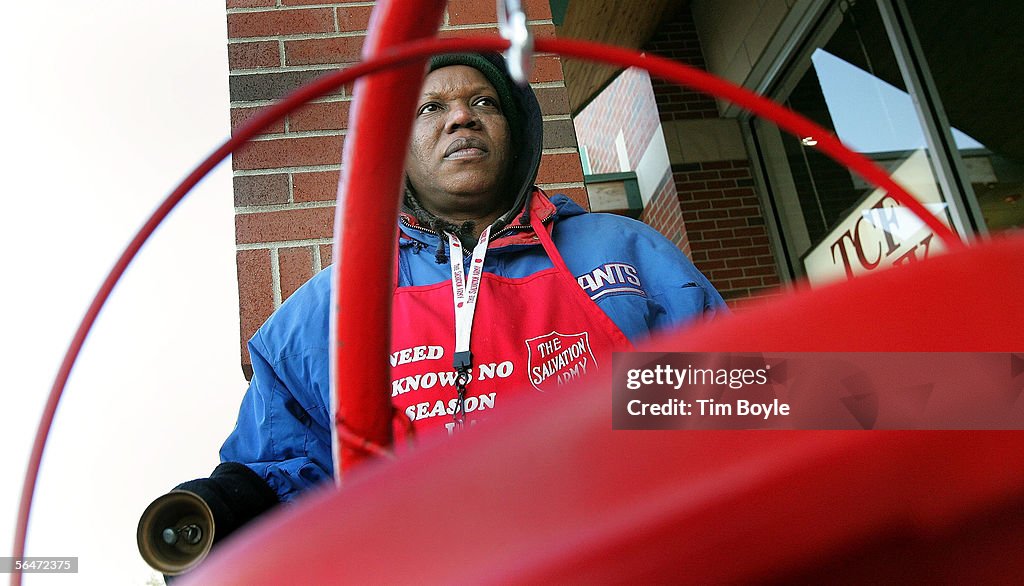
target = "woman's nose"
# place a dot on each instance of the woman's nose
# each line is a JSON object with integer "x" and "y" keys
{"x": 461, "y": 115}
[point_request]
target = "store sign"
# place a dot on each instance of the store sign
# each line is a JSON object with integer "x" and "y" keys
{"x": 880, "y": 232}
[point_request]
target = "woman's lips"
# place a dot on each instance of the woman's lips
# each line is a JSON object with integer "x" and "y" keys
{"x": 467, "y": 153}
{"x": 465, "y": 148}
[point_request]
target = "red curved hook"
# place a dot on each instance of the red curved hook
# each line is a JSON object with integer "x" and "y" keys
{"x": 366, "y": 327}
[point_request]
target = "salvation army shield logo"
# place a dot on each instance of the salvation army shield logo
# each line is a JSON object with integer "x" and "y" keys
{"x": 556, "y": 359}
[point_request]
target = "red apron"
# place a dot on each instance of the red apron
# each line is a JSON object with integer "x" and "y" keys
{"x": 530, "y": 335}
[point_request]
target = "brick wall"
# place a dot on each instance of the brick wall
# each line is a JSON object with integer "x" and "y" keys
{"x": 676, "y": 38}
{"x": 285, "y": 182}
{"x": 663, "y": 214}
{"x": 724, "y": 221}
{"x": 726, "y": 227}
{"x": 626, "y": 105}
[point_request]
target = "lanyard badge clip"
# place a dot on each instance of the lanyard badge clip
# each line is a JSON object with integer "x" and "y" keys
{"x": 462, "y": 363}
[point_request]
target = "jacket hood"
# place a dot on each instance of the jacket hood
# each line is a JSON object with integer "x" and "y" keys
{"x": 528, "y": 139}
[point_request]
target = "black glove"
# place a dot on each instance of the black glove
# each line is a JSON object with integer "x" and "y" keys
{"x": 235, "y": 495}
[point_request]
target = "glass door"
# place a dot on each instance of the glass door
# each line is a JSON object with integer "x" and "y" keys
{"x": 833, "y": 224}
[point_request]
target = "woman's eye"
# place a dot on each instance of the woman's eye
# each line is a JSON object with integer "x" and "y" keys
{"x": 487, "y": 101}
{"x": 428, "y": 108}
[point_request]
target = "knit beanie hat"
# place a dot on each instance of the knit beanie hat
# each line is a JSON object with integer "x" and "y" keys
{"x": 497, "y": 77}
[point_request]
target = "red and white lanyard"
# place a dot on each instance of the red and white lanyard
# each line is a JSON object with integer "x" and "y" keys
{"x": 464, "y": 293}
{"x": 465, "y": 289}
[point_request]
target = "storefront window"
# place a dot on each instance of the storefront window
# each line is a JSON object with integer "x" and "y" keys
{"x": 835, "y": 225}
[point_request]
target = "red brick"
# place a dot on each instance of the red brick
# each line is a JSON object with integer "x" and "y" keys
{"x": 250, "y": 3}
{"x": 739, "y": 192}
{"x": 747, "y": 282}
{"x": 253, "y": 55}
{"x": 326, "y": 250}
{"x": 272, "y": 23}
{"x": 756, "y": 299}
{"x": 721, "y": 183}
{"x": 320, "y": 116}
{"x": 316, "y": 186}
{"x": 546, "y": 68}
{"x": 710, "y": 214}
{"x": 735, "y": 223}
{"x": 477, "y": 12}
{"x": 323, "y": 51}
{"x": 296, "y": 267}
{"x": 706, "y": 195}
{"x": 736, "y": 242}
{"x": 690, "y": 186}
{"x": 353, "y": 18}
{"x": 763, "y": 250}
{"x": 711, "y": 265}
{"x": 747, "y": 212}
{"x": 553, "y": 99}
{"x": 696, "y": 175}
{"x": 728, "y": 291}
{"x": 471, "y": 12}
{"x": 716, "y": 234}
{"x": 738, "y": 300}
{"x": 289, "y": 152}
{"x": 260, "y": 190}
{"x": 726, "y": 253}
{"x": 758, "y": 271}
{"x": 704, "y": 243}
{"x": 560, "y": 168}
{"x": 543, "y": 31}
{"x": 725, "y": 273}
{"x": 725, "y": 203}
{"x": 311, "y": 2}
{"x": 577, "y": 194}
{"x": 255, "y": 292}
{"x": 687, "y": 97}
{"x": 240, "y": 116}
{"x": 298, "y": 224}
{"x": 538, "y": 9}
